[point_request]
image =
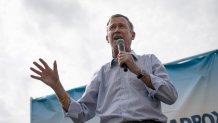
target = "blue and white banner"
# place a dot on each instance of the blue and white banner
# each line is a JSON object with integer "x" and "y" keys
{"x": 195, "y": 78}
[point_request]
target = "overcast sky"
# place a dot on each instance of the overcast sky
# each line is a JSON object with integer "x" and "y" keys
{"x": 73, "y": 33}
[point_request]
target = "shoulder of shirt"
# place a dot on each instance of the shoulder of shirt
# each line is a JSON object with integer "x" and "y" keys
{"x": 151, "y": 57}
{"x": 145, "y": 56}
{"x": 103, "y": 67}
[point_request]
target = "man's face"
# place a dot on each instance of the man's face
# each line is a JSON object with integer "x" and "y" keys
{"x": 119, "y": 27}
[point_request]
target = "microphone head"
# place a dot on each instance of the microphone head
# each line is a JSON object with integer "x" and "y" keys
{"x": 120, "y": 42}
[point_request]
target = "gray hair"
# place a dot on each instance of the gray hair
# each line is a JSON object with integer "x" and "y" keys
{"x": 120, "y": 15}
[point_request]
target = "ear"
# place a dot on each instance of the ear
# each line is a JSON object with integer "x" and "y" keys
{"x": 133, "y": 35}
{"x": 107, "y": 38}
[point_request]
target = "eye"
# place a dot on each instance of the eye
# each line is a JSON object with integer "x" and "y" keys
{"x": 112, "y": 27}
{"x": 121, "y": 26}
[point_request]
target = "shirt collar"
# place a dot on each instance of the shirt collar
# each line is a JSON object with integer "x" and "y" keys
{"x": 114, "y": 60}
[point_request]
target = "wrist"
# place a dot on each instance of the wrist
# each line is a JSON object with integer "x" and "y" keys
{"x": 56, "y": 85}
{"x": 65, "y": 101}
{"x": 58, "y": 89}
{"x": 141, "y": 74}
{"x": 64, "y": 98}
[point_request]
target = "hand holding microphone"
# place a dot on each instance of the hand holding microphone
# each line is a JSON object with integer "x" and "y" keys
{"x": 121, "y": 47}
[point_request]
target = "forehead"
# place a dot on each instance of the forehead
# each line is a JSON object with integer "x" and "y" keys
{"x": 117, "y": 20}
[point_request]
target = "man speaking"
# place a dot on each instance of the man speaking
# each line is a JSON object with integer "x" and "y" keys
{"x": 115, "y": 95}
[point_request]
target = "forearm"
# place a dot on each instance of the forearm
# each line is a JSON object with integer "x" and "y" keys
{"x": 146, "y": 78}
{"x": 166, "y": 91}
{"x": 62, "y": 95}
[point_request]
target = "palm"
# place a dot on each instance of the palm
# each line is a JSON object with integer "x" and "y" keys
{"x": 46, "y": 74}
{"x": 48, "y": 77}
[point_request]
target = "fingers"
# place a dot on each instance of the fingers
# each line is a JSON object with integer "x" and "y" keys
{"x": 55, "y": 65}
{"x": 123, "y": 52}
{"x": 44, "y": 63}
{"x": 36, "y": 71}
{"x": 38, "y": 66}
{"x": 121, "y": 59}
{"x": 36, "y": 77}
{"x": 123, "y": 56}
{"x": 41, "y": 69}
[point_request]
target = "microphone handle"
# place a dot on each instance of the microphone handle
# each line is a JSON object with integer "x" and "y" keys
{"x": 124, "y": 66}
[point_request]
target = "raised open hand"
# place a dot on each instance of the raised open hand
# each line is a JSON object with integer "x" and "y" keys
{"x": 47, "y": 75}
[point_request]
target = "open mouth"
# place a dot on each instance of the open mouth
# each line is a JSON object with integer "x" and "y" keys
{"x": 117, "y": 37}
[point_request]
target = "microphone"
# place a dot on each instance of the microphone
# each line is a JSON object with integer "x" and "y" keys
{"x": 121, "y": 47}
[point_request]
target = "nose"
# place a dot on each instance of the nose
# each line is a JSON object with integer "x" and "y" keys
{"x": 117, "y": 29}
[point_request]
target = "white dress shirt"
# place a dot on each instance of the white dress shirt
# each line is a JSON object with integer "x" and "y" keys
{"x": 116, "y": 96}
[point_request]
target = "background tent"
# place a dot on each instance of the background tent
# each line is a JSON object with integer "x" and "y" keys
{"x": 195, "y": 78}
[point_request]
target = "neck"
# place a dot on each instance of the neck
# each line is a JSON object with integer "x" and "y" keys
{"x": 114, "y": 53}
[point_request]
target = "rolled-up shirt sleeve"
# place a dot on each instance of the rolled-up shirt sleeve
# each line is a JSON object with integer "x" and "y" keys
{"x": 164, "y": 89}
{"x": 84, "y": 109}
{"x": 74, "y": 109}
